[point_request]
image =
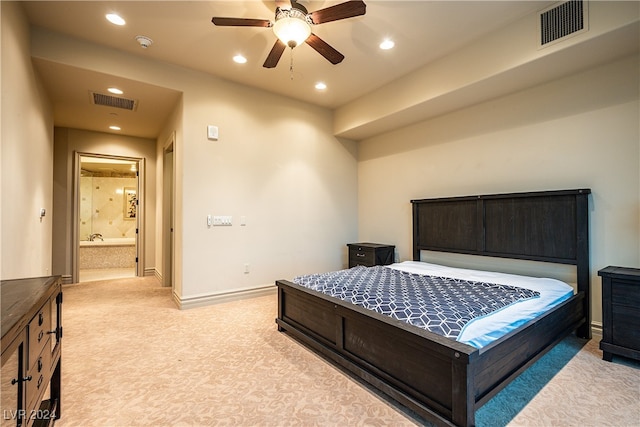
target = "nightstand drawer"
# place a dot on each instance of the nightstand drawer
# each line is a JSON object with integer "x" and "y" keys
{"x": 626, "y": 327}
{"x": 625, "y": 293}
{"x": 620, "y": 312}
{"x": 361, "y": 257}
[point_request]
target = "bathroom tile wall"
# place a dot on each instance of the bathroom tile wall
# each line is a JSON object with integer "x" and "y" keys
{"x": 102, "y": 207}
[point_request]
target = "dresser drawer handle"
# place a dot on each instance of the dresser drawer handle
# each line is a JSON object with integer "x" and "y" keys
{"x": 40, "y": 318}
{"x": 40, "y": 381}
{"x": 39, "y": 364}
{"x": 40, "y": 335}
{"x": 361, "y": 255}
{"x": 15, "y": 381}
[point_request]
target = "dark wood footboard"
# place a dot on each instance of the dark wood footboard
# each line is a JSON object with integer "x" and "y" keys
{"x": 439, "y": 379}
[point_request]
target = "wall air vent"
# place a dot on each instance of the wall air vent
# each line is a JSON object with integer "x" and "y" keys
{"x": 563, "y": 20}
{"x": 113, "y": 101}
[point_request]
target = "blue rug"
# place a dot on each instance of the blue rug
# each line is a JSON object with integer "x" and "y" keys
{"x": 505, "y": 405}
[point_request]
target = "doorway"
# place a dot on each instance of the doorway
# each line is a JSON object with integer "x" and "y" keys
{"x": 168, "y": 185}
{"x": 108, "y": 216}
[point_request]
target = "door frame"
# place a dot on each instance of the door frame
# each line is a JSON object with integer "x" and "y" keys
{"x": 75, "y": 216}
{"x": 168, "y": 212}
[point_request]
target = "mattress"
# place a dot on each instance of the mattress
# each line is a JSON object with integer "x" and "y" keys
{"x": 483, "y": 330}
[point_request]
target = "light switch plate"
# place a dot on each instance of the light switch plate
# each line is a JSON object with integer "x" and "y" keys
{"x": 212, "y": 132}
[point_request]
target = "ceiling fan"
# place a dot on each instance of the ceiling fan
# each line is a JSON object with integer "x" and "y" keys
{"x": 293, "y": 24}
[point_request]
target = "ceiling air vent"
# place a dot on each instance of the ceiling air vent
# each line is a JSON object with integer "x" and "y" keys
{"x": 113, "y": 101}
{"x": 563, "y": 20}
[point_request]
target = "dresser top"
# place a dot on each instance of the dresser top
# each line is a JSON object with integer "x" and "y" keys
{"x": 620, "y": 272}
{"x": 21, "y": 296}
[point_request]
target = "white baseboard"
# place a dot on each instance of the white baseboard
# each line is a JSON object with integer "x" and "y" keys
{"x": 205, "y": 300}
{"x": 596, "y": 328}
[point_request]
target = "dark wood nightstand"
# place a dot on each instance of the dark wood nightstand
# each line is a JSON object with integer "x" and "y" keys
{"x": 620, "y": 312}
{"x": 370, "y": 254}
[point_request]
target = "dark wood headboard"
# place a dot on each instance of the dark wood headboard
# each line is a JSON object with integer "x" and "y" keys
{"x": 548, "y": 226}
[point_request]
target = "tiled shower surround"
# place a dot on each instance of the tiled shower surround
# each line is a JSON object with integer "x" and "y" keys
{"x": 102, "y": 207}
{"x": 103, "y": 211}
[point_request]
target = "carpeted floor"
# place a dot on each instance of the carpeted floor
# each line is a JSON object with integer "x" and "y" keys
{"x": 131, "y": 358}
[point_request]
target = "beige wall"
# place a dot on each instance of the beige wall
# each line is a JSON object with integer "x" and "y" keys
{"x": 68, "y": 142}
{"x": 26, "y": 143}
{"x": 577, "y": 132}
{"x": 276, "y": 163}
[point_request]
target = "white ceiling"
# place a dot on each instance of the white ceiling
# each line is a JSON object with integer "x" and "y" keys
{"x": 183, "y": 34}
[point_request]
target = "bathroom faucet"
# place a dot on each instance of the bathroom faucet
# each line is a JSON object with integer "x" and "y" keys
{"x": 94, "y": 236}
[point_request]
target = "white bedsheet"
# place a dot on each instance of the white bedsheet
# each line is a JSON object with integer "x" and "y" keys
{"x": 483, "y": 330}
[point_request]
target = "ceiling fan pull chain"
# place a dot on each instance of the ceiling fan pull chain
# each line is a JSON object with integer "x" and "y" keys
{"x": 291, "y": 65}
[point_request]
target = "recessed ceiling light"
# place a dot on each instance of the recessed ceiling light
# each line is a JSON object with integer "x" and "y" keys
{"x": 321, "y": 86}
{"x": 114, "y": 127}
{"x": 387, "y": 44}
{"x": 239, "y": 59}
{"x": 115, "y": 19}
{"x": 115, "y": 90}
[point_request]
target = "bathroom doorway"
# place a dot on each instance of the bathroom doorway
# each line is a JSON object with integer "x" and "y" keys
{"x": 108, "y": 216}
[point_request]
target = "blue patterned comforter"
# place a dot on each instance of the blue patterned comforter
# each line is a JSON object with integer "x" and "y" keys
{"x": 438, "y": 304}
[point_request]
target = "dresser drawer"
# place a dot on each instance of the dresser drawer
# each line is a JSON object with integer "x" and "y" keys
{"x": 39, "y": 328}
{"x": 39, "y": 371}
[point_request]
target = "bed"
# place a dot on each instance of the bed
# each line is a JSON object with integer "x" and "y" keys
{"x": 442, "y": 380}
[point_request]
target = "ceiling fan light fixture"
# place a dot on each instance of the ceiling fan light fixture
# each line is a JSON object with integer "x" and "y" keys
{"x": 291, "y": 26}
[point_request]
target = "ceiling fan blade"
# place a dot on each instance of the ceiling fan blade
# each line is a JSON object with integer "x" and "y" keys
{"x": 275, "y": 54}
{"x": 240, "y": 22}
{"x": 340, "y": 11}
{"x": 324, "y": 49}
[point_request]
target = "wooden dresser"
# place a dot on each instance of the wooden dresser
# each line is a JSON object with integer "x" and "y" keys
{"x": 620, "y": 312}
{"x": 370, "y": 254}
{"x": 31, "y": 349}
